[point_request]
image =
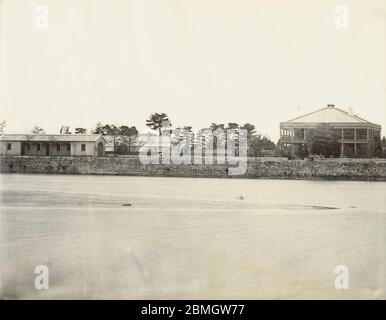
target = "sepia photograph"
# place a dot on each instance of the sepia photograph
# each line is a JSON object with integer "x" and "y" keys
{"x": 192, "y": 150}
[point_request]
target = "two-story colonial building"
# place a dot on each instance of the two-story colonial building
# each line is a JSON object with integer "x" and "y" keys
{"x": 353, "y": 132}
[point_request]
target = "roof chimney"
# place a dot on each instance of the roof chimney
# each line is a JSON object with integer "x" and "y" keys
{"x": 330, "y": 106}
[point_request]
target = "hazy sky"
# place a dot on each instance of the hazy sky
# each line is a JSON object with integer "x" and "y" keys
{"x": 200, "y": 61}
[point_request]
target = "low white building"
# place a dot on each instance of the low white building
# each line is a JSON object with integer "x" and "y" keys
{"x": 52, "y": 145}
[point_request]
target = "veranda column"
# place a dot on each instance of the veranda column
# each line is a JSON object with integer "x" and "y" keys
{"x": 355, "y": 145}
{"x": 342, "y": 146}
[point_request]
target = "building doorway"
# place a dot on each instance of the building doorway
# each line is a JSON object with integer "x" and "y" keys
{"x": 100, "y": 149}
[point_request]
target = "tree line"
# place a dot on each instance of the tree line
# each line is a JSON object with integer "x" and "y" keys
{"x": 125, "y": 138}
{"x": 322, "y": 140}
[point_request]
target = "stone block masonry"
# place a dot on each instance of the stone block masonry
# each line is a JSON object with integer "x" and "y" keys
{"x": 339, "y": 169}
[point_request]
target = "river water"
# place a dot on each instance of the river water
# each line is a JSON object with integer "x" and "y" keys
{"x": 105, "y": 237}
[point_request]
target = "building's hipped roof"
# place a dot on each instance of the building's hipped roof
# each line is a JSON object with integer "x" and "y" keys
{"x": 51, "y": 137}
{"x": 330, "y": 114}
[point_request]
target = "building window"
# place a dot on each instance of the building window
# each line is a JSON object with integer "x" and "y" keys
{"x": 28, "y": 147}
{"x": 68, "y": 147}
{"x": 348, "y": 134}
{"x": 38, "y": 147}
{"x": 337, "y": 133}
{"x": 361, "y": 134}
{"x": 58, "y": 147}
{"x": 299, "y": 134}
{"x": 9, "y": 146}
{"x": 83, "y": 147}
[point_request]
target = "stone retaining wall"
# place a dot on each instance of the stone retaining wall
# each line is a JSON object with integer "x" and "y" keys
{"x": 344, "y": 169}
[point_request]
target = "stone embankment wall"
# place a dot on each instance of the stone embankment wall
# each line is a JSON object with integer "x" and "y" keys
{"x": 344, "y": 169}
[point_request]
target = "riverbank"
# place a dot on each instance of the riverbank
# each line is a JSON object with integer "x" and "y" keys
{"x": 268, "y": 168}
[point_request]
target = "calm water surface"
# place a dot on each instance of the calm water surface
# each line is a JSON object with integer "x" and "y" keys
{"x": 143, "y": 237}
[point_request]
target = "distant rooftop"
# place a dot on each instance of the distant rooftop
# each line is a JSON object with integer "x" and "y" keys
{"x": 51, "y": 137}
{"x": 329, "y": 114}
